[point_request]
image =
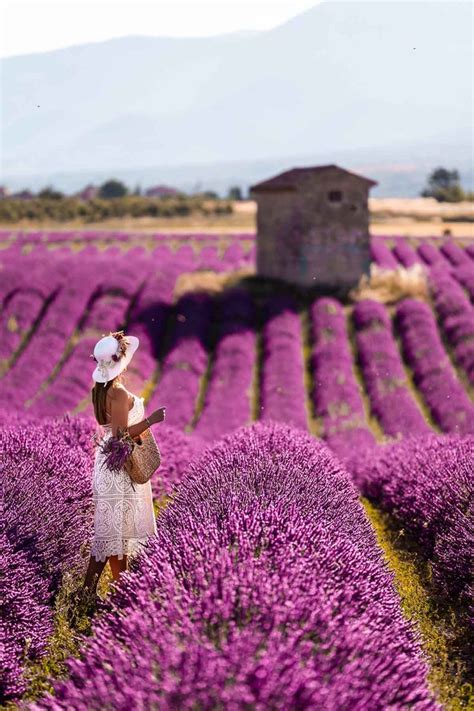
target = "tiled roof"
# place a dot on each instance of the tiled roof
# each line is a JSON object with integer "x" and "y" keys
{"x": 161, "y": 190}
{"x": 291, "y": 178}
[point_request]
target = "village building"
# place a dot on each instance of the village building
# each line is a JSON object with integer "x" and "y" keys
{"x": 90, "y": 192}
{"x": 162, "y": 191}
{"x": 313, "y": 226}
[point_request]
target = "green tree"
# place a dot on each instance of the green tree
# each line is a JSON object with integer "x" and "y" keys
{"x": 49, "y": 193}
{"x": 444, "y": 186}
{"x": 112, "y": 189}
{"x": 235, "y": 193}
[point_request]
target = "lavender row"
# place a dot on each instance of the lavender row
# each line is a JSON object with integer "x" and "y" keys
{"x": 70, "y": 287}
{"x": 405, "y": 254}
{"x": 228, "y": 399}
{"x": 177, "y": 451}
{"x": 75, "y": 285}
{"x": 21, "y": 311}
{"x": 427, "y": 484}
{"x": 216, "y": 256}
{"x": 384, "y": 375}
{"x": 336, "y": 395}
{"x": 432, "y": 370}
{"x": 448, "y": 254}
{"x": 456, "y": 317}
{"x": 149, "y": 316}
{"x": 464, "y": 274}
{"x": 113, "y": 289}
{"x": 239, "y": 602}
{"x": 67, "y": 297}
{"x": 432, "y": 256}
{"x": 214, "y": 259}
{"x": 46, "y": 521}
{"x": 455, "y": 254}
{"x": 470, "y": 250}
{"x": 65, "y": 285}
{"x": 460, "y": 267}
{"x": 71, "y": 236}
{"x": 22, "y": 273}
{"x": 282, "y": 387}
{"x": 185, "y": 361}
{"x": 46, "y": 517}
{"x": 382, "y": 255}
{"x": 74, "y": 377}
{"x": 449, "y": 258}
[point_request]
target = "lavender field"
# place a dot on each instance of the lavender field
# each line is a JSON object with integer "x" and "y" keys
{"x": 318, "y": 463}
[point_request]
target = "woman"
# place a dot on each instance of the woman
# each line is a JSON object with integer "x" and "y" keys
{"x": 123, "y": 510}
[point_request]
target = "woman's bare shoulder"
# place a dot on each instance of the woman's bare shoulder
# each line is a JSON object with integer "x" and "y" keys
{"x": 118, "y": 394}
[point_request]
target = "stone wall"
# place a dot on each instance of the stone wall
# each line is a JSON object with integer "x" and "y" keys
{"x": 305, "y": 239}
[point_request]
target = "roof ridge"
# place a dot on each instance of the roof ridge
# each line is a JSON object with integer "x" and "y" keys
{"x": 283, "y": 180}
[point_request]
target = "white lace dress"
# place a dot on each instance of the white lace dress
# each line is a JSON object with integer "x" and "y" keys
{"x": 123, "y": 510}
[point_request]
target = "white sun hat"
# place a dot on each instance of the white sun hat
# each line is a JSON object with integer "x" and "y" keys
{"x": 112, "y": 355}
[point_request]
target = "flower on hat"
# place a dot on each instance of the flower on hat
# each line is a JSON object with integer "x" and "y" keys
{"x": 121, "y": 350}
{"x": 122, "y": 344}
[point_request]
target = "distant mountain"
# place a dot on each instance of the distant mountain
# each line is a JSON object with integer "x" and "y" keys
{"x": 360, "y": 83}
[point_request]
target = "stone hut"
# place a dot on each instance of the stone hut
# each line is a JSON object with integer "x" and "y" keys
{"x": 313, "y": 226}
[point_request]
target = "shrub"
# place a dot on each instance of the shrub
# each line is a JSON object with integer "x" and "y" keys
{"x": 264, "y": 589}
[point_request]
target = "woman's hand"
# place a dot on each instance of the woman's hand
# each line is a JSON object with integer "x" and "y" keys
{"x": 157, "y": 416}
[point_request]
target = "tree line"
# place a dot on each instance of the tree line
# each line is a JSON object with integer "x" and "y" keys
{"x": 444, "y": 185}
{"x": 115, "y": 200}
{"x": 67, "y": 209}
{"x": 113, "y": 189}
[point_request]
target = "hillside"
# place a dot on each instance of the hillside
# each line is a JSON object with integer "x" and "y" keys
{"x": 234, "y": 108}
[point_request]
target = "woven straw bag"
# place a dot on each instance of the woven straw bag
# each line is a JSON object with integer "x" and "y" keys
{"x": 144, "y": 459}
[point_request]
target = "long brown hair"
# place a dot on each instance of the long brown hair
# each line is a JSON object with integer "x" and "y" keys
{"x": 99, "y": 398}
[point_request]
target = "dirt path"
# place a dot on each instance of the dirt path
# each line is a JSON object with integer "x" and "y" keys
{"x": 400, "y": 227}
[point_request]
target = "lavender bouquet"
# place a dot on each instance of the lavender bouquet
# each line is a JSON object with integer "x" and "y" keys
{"x": 116, "y": 449}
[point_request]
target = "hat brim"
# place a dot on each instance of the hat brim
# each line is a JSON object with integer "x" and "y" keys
{"x": 112, "y": 373}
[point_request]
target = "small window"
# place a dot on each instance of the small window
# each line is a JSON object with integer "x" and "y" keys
{"x": 335, "y": 196}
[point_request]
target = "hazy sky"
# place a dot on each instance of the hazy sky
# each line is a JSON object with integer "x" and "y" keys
{"x": 37, "y": 26}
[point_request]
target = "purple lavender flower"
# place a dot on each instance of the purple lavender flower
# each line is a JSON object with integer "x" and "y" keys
{"x": 381, "y": 254}
{"x": 116, "y": 450}
{"x": 264, "y": 588}
{"x": 282, "y": 380}
{"x": 384, "y": 375}
{"x": 336, "y": 395}
{"x": 227, "y": 404}
{"x": 46, "y": 517}
{"x": 433, "y": 372}
{"x": 405, "y": 254}
{"x": 427, "y": 483}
